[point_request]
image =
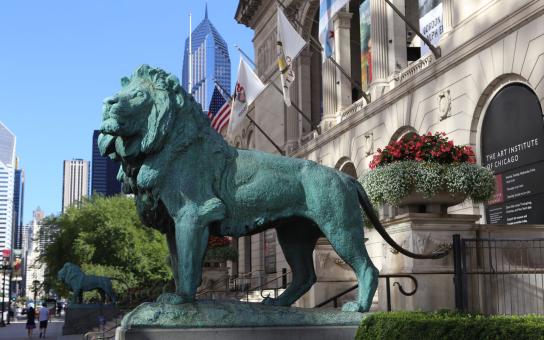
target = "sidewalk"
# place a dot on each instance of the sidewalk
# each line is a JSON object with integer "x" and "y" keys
{"x": 17, "y": 331}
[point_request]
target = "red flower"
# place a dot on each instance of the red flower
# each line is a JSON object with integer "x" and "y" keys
{"x": 428, "y": 147}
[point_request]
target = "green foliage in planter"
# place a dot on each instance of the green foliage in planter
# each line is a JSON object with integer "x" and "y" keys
{"x": 449, "y": 325}
{"x": 221, "y": 254}
{"x": 392, "y": 182}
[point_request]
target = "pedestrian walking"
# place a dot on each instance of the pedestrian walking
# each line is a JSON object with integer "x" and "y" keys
{"x": 44, "y": 318}
{"x": 30, "y": 320}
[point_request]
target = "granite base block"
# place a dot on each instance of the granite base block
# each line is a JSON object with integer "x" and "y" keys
{"x": 81, "y": 318}
{"x": 211, "y": 319}
{"x": 240, "y": 333}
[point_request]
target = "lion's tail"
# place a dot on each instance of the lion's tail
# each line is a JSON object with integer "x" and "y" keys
{"x": 369, "y": 211}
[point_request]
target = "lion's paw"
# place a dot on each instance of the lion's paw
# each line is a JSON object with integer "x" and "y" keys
{"x": 171, "y": 299}
{"x": 352, "y": 306}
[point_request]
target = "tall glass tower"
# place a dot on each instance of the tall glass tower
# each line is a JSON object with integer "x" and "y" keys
{"x": 7, "y": 183}
{"x": 210, "y": 61}
{"x": 103, "y": 172}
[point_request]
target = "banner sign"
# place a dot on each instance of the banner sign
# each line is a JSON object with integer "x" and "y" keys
{"x": 513, "y": 148}
{"x": 366, "y": 45}
{"x": 430, "y": 23}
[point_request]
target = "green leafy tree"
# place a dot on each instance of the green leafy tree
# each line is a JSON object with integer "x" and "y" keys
{"x": 104, "y": 236}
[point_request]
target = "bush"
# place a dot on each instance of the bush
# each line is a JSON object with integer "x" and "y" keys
{"x": 449, "y": 325}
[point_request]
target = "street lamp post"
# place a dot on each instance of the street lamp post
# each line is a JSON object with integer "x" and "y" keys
{"x": 35, "y": 288}
{"x": 5, "y": 267}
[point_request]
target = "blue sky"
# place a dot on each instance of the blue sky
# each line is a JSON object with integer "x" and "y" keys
{"x": 60, "y": 58}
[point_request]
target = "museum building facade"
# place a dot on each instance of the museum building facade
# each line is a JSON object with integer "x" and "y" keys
{"x": 484, "y": 88}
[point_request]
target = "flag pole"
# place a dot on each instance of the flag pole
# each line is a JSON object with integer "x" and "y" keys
{"x": 436, "y": 50}
{"x": 274, "y": 85}
{"x": 317, "y": 45}
{"x": 223, "y": 92}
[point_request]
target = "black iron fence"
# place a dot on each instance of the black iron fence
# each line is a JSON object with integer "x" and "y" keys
{"x": 499, "y": 276}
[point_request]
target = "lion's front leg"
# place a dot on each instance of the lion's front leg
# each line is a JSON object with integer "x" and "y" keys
{"x": 191, "y": 243}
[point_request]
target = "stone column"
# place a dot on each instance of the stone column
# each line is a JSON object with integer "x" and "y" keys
{"x": 380, "y": 60}
{"x": 329, "y": 95}
{"x": 447, "y": 15}
{"x": 304, "y": 62}
{"x": 342, "y": 55}
{"x": 397, "y": 37}
{"x": 292, "y": 126}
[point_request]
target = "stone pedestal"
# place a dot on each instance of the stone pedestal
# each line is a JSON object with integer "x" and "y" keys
{"x": 246, "y": 333}
{"x": 82, "y": 318}
{"x": 423, "y": 233}
{"x": 207, "y": 319}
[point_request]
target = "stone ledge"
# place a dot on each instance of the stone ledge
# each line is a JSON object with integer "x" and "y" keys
{"x": 243, "y": 333}
{"x": 228, "y": 314}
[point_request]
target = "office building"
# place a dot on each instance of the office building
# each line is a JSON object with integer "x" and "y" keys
{"x": 18, "y": 202}
{"x": 7, "y": 180}
{"x": 210, "y": 62}
{"x": 75, "y": 183}
{"x": 104, "y": 172}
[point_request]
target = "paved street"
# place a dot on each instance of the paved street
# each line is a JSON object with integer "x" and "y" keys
{"x": 17, "y": 331}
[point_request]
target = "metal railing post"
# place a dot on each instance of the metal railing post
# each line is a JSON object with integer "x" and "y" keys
{"x": 388, "y": 291}
{"x": 457, "y": 272}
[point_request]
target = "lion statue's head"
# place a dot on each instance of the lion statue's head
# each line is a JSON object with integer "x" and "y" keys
{"x": 151, "y": 110}
{"x": 141, "y": 114}
{"x": 149, "y": 124}
{"x": 69, "y": 274}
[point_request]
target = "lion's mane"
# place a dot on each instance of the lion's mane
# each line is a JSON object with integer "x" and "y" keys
{"x": 175, "y": 123}
{"x": 71, "y": 274}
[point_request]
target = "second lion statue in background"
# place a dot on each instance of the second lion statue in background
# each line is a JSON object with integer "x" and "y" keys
{"x": 79, "y": 282}
{"x": 190, "y": 184}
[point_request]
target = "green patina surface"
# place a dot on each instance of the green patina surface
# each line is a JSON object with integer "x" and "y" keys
{"x": 209, "y": 313}
{"x": 190, "y": 184}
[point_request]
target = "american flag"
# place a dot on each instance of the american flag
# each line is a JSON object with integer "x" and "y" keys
{"x": 219, "y": 112}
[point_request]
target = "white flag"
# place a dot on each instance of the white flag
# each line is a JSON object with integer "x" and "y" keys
{"x": 289, "y": 44}
{"x": 248, "y": 87}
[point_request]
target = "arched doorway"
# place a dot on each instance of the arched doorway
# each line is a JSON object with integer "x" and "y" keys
{"x": 512, "y": 146}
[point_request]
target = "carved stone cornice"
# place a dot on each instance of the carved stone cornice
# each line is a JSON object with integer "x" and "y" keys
{"x": 246, "y": 10}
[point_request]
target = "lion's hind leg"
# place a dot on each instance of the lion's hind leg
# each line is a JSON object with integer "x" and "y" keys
{"x": 297, "y": 240}
{"x": 350, "y": 247}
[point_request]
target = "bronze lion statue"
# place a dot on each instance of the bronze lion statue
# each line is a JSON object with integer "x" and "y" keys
{"x": 190, "y": 184}
{"x": 78, "y": 282}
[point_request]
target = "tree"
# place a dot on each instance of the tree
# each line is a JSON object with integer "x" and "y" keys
{"x": 105, "y": 237}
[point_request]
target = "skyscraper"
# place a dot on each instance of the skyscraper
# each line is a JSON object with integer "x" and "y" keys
{"x": 104, "y": 172}
{"x": 7, "y": 179}
{"x": 75, "y": 184}
{"x": 33, "y": 269}
{"x": 18, "y": 201}
{"x": 210, "y": 61}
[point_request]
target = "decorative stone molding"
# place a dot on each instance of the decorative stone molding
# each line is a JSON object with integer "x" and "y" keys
{"x": 368, "y": 144}
{"x": 352, "y": 109}
{"x": 414, "y": 69}
{"x": 444, "y": 104}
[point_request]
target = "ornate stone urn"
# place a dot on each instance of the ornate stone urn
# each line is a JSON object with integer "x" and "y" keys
{"x": 439, "y": 202}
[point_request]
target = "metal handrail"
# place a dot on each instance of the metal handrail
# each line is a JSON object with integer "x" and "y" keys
{"x": 387, "y": 278}
{"x": 102, "y": 334}
{"x": 262, "y": 286}
{"x": 228, "y": 279}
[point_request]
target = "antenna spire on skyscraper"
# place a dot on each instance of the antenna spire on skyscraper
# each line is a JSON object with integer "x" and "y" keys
{"x": 206, "y": 11}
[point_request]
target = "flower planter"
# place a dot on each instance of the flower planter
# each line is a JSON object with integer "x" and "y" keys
{"x": 439, "y": 202}
{"x": 426, "y": 174}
